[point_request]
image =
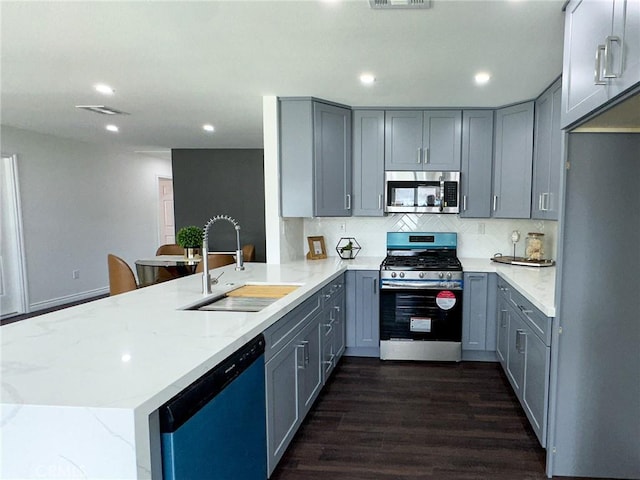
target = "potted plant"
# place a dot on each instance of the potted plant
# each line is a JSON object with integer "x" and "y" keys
{"x": 190, "y": 238}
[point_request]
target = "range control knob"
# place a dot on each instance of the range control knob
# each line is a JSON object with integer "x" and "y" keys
{"x": 448, "y": 275}
{"x": 393, "y": 274}
{"x": 421, "y": 274}
{"x": 401, "y": 274}
{"x": 440, "y": 275}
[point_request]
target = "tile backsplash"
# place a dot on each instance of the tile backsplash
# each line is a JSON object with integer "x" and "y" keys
{"x": 478, "y": 237}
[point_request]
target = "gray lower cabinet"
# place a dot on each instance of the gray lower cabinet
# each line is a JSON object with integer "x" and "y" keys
{"x": 333, "y": 325}
{"x": 315, "y": 158}
{"x": 547, "y": 155}
{"x": 477, "y": 159}
{"x": 479, "y": 317}
{"x": 363, "y": 313}
{"x": 513, "y": 158}
{"x": 368, "y": 163}
{"x": 423, "y": 140}
{"x": 524, "y": 339}
{"x": 301, "y": 351}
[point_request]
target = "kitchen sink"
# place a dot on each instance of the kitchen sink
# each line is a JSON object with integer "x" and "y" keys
{"x": 247, "y": 298}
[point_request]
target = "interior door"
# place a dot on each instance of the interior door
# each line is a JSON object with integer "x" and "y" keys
{"x": 167, "y": 219}
{"x": 12, "y": 291}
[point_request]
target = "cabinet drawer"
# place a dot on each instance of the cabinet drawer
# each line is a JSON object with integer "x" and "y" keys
{"x": 331, "y": 289}
{"x": 283, "y": 331}
{"x": 537, "y": 321}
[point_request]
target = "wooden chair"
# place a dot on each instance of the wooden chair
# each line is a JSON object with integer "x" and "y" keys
{"x": 170, "y": 249}
{"x": 216, "y": 260}
{"x": 121, "y": 277}
{"x": 168, "y": 273}
{"x": 248, "y": 252}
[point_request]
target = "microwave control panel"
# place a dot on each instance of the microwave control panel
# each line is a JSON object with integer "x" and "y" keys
{"x": 451, "y": 194}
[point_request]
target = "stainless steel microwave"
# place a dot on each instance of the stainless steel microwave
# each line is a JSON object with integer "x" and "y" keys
{"x": 422, "y": 192}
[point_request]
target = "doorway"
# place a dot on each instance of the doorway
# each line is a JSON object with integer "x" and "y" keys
{"x": 167, "y": 227}
{"x": 13, "y": 289}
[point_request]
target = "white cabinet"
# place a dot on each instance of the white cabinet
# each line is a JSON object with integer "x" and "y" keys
{"x": 601, "y": 54}
{"x": 547, "y": 155}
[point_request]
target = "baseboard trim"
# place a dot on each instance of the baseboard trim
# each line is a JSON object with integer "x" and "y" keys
{"x": 479, "y": 356}
{"x": 76, "y": 297}
{"x": 362, "y": 352}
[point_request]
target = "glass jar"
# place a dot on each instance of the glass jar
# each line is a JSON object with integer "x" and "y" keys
{"x": 534, "y": 246}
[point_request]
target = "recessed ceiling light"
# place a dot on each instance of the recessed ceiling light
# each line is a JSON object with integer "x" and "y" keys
{"x": 112, "y": 128}
{"x": 208, "y": 128}
{"x": 482, "y": 77}
{"x": 367, "y": 79}
{"x": 104, "y": 89}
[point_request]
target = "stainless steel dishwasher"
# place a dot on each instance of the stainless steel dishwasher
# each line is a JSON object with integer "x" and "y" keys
{"x": 215, "y": 429}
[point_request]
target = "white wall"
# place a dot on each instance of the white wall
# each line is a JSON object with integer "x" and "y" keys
{"x": 80, "y": 202}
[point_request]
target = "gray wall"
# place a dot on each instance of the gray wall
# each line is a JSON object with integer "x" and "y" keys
{"x": 208, "y": 182}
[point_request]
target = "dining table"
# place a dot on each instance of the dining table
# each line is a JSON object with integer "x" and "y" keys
{"x": 161, "y": 268}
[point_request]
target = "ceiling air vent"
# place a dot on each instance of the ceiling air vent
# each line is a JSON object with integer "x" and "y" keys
{"x": 388, "y": 4}
{"x": 102, "y": 109}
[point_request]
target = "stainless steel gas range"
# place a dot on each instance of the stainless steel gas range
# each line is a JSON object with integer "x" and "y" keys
{"x": 421, "y": 298}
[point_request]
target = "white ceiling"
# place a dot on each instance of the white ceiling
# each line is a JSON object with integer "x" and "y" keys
{"x": 178, "y": 65}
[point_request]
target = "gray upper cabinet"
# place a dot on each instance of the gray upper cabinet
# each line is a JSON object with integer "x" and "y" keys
{"x": 513, "y": 161}
{"x": 477, "y": 157}
{"x": 547, "y": 155}
{"x": 315, "y": 158}
{"x": 601, "y": 54}
{"x": 368, "y": 163}
{"x": 423, "y": 140}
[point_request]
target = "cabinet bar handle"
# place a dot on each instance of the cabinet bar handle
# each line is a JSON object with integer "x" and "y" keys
{"x": 375, "y": 287}
{"x": 419, "y": 155}
{"x": 379, "y": 202}
{"x": 503, "y": 321}
{"x": 348, "y": 199}
{"x": 302, "y": 346}
{"x": 519, "y": 335}
{"x": 607, "y": 57}
{"x": 464, "y": 203}
{"x": 597, "y": 79}
{"x": 426, "y": 155}
{"x": 495, "y": 203}
{"x": 540, "y": 202}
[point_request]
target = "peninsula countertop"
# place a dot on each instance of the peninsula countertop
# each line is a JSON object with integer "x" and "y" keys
{"x": 83, "y": 381}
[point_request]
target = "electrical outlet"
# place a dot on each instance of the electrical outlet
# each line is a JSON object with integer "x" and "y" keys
{"x": 75, "y": 274}
{"x": 481, "y": 228}
{"x": 343, "y": 227}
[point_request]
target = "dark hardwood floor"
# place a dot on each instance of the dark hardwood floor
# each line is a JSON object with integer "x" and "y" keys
{"x": 412, "y": 420}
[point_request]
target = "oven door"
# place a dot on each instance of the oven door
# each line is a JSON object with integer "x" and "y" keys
{"x": 420, "y": 324}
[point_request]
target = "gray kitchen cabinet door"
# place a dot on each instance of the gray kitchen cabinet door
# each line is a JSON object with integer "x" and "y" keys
{"x": 332, "y": 160}
{"x": 601, "y": 37}
{"x": 283, "y": 414}
{"x": 535, "y": 391}
{"x": 547, "y": 155}
{"x": 368, "y": 163}
{"x": 516, "y": 347}
{"x": 403, "y": 140}
{"x": 363, "y": 313}
{"x": 474, "y": 311}
{"x": 309, "y": 364}
{"x": 315, "y": 158}
{"x": 503, "y": 331}
{"x": 477, "y": 158}
{"x": 441, "y": 140}
{"x": 513, "y": 161}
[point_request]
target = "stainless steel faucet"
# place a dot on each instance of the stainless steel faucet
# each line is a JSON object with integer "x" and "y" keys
{"x": 206, "y": 279}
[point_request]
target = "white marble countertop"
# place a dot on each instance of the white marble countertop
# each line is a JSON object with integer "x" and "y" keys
{"x": 82, "y": 381}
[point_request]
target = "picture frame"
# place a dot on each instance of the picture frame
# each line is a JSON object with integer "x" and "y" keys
{"x": 317, "y": 249}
